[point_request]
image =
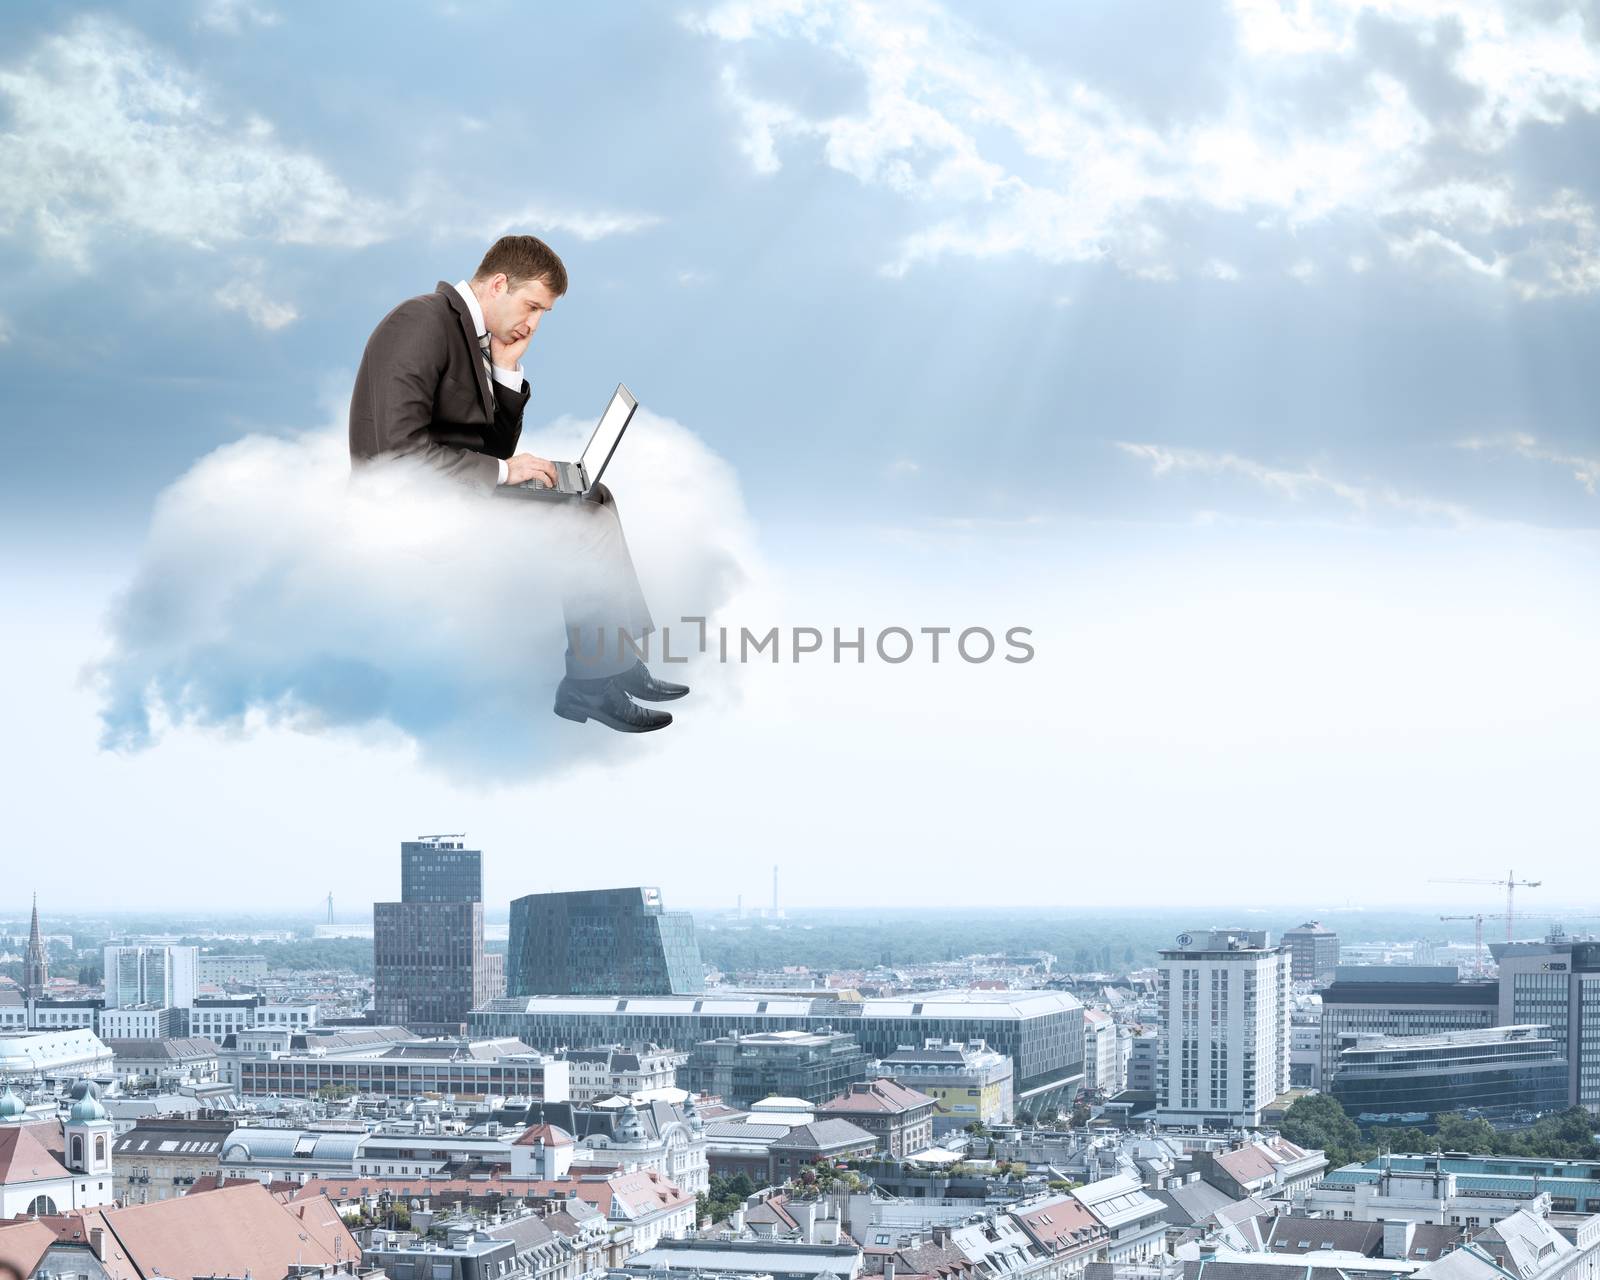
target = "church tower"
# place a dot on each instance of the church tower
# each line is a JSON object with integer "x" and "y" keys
{"x": 35, "y": 965}
{"x": 88, "y": 1132}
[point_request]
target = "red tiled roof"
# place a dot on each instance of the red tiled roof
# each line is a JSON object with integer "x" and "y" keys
{"x": 880, "y": 1097}
{"x": 237, "y": 1230}
{"x": 552, "y": 1135}
{"x": 24, "y": 1158}
{"x": 1246, "y": 1164}
{"x": 1059, "y": 1224}
{"x": 22, "y": 1244}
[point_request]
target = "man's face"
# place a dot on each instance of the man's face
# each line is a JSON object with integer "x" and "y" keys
{"x": 512, "y": 314}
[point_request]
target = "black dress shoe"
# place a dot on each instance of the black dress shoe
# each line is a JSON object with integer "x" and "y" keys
{"x": 638, "y": 682}
{"x": 605, "y": 701}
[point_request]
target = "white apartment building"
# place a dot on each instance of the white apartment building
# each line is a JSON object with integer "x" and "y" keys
{"x": 1102, "y": 1056}
{"x": 1224, "y": 1011}
{"x": 159, "y": 976}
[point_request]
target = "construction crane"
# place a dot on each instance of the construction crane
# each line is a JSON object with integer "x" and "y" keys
{"x": 1510, "y": 884}
{"x": 1479, "y": 917}
{"x": 1477, "y": 937}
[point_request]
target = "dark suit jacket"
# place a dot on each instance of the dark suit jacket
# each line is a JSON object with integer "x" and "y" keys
{"x": 422, "y": 392}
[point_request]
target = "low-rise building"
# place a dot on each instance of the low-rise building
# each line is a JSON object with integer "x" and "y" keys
{"x": 616, "y": 1070}
{"x": 163, "y": 1062}
{"x": 66, "y": 1054}
{"x": 356, "y": 1060}
{"x": 162, "y": 1159}
{"x": 823, "y": 1139}
{"x": 968, "y": 1082}
{"x": 744, "y": 1067}
{"x": 1270, "y": 1167}
{"x": 1134, "y": 1220}
{"x": 751, "y": 1256}
{"x": 1462, "y": 1191}
{"x": 900, "y": 1118}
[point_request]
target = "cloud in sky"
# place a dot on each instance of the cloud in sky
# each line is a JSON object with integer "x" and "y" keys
{"x": 1585, "y": 469}
{"x": 1296, "y": 484}
{"x": 109, "y": 139}
{"x": 1389, "y": 123}
{"x": 586, "y": 225}
{"x": 272, "y": 591}
{"x": 246, "y": 295}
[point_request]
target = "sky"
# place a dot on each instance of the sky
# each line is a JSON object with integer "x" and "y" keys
{"x": 1234, "y": 349}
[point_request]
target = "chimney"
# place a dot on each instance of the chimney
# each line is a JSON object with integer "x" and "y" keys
{"x": 941, "y": 1235}
{"x": 97, "y": 1242}
{"x": 888, "y": 1268}
{"x": 1397, "y": 1237}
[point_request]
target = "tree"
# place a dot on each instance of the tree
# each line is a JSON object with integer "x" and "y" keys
{"x": 1457, "y": 1132}
{"x": 1318, "y": 1121}
{"x": 1409, "y": 1140}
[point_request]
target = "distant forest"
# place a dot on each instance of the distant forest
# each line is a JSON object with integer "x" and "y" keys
{"x": 1081, "y": 939}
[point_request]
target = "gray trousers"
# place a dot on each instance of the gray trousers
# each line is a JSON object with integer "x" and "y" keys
{"x": 602, "y": 603}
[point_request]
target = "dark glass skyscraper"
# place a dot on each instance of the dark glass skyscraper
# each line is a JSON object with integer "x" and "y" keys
{"x": 430, "y": 969}
{"x": 440, "y": 869}
{"x": 601, "y": 942}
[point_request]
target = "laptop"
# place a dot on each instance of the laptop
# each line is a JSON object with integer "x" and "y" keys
{"x": 574, "y": 479}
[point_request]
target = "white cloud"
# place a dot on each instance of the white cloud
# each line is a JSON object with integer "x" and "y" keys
{"x": 274, "y": 592}
{"x": 5, "y": 331}
{"x": 1084, "y": 178}
{"x": 247, "y": 296}
{"x": 1217, "y": 269}
{"x": 231, "y": 17}
{"x": 1296, "y": 484}
{"x": 1585, "y": 470}
{"x": 107, "y": 142}
{"x": 586, "y": 225}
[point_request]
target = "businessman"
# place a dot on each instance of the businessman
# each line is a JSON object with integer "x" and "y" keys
{"x": 441, "y": 383}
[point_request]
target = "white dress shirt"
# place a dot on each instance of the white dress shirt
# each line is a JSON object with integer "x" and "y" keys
{"x": 505, "y": 377}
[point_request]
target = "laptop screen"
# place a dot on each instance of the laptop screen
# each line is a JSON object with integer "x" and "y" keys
{"x": 604, "y": 440}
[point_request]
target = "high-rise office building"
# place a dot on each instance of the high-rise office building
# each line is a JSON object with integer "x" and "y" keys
{"x": 440, "y": 869}
{"x": 430, "y": 969}
{"x": 1556, "y": 983}
{"x": 1313, "y": 952}
{"x": 601, "y": 942}
{"x": 157, "y": 976}
{"x": 1399, "y": 1000}
{"x": 1224, "y": 1054}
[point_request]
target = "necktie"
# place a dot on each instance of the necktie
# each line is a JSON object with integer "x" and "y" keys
{"x": 488, "y": 361}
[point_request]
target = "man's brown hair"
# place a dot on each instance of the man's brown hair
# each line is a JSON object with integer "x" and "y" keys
{"x": 524, "y": 258}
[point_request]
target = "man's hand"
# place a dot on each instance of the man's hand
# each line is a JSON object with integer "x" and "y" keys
{"x": 524, "y": 466}
{"x": 508, "y": 355}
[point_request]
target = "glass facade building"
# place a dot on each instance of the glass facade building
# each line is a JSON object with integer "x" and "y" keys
{"x": 1040, "y": 1031}
{"x": 440, "y": 869}
{"x": 430, "y": 969}
{"x": 601, "y": 942}
{"x": 1557, "y": 983}
{"x": 1401, "y": 1000}
{"x": 744, "y": 1069}
{"x": 1509, "y": 1076}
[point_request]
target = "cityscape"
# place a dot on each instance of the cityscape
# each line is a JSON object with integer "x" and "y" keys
{"x": 581, "y": 1092}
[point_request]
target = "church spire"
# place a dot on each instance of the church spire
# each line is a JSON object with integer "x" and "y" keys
{"x": 35, "y": 965}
